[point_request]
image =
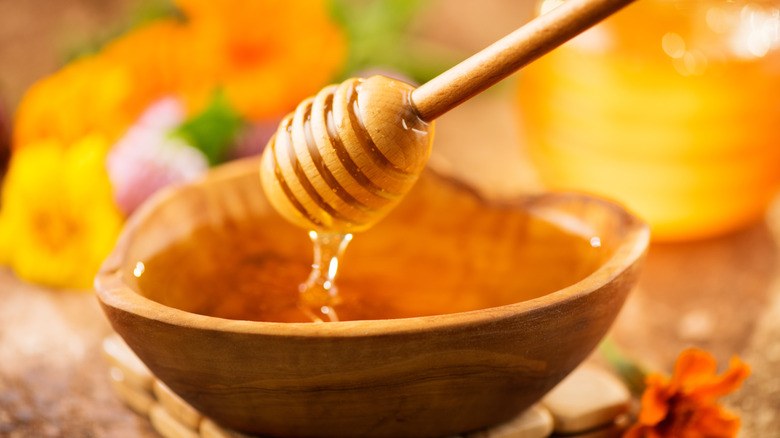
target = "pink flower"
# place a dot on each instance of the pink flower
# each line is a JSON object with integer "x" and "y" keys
{"x": 166, "y": 113}
{"x": 147, "y": 158}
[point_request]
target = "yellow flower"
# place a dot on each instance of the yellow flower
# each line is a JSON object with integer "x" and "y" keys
{"x": 58, "y": 221}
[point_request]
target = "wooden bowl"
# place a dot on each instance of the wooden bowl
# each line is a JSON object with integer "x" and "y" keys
{"x": 419, "y": 376}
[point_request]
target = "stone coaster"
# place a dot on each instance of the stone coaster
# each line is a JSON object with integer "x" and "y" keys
{"x": 587, "y": 404}
{"x": 176, "y": 406}
{"x": 589, "y": 398}
{"x": 210, "y": 429}
{"x": 139, "y": 400}
{"x": 125, "y": 365}
{"x": 536, "y": 422}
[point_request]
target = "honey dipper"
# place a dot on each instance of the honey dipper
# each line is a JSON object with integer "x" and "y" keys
{"x": 346, "y": 156}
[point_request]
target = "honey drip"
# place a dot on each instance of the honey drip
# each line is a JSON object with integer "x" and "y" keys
{"x": 319, "y": 294}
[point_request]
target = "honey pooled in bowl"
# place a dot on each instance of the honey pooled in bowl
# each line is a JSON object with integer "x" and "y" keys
{"x": 443, "y": 250}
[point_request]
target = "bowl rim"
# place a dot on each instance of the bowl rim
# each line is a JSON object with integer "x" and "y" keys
{"x": 113, "y": 292}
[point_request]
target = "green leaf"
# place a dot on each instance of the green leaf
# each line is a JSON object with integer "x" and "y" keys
{"x": 632, "y": 372}
{"x": 379, "y": 37}
{"x": 213, "y": 130}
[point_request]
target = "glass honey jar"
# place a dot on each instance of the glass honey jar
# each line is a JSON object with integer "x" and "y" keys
{"x": 671, "y": 107}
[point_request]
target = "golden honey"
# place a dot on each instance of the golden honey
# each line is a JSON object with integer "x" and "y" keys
{"x": 417, "y": 262}
{"x": 669, "y": 107}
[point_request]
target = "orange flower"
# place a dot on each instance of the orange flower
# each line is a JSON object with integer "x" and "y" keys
{"x": 267, "y": 55}
{"x": 164, "y": 59}
{"x": 686, "y": 406}
{"x": 88, "y": 96}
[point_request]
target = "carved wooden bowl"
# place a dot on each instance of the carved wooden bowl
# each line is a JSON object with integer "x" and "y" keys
{"x": 432, "y": 375}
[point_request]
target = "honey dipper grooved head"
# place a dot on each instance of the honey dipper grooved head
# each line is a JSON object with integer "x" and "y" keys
{"x": 347, "y": 156}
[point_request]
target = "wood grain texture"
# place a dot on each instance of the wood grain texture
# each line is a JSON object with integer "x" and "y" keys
{"x": 345, "y": 157}
{"x": 424, "y": 376}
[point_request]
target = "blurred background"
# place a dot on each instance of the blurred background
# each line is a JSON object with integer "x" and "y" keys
{"x": 38, "y": 37}
{"x": 670, "y": 108}
{"x": 162, "y": 91}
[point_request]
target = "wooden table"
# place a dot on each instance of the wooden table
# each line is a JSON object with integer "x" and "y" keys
{"x": 722, "y": 295}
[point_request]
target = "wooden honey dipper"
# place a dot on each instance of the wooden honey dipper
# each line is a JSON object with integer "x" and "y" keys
{"x": 347, "y": 156}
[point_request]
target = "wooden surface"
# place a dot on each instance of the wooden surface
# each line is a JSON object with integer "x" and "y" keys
{"x": 53, "y": 379}
{"x": 721, "y": 294}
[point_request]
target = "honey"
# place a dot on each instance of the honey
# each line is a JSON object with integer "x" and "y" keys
{"x": 667, "y": 107}
{"x": 433, "y": 255}
{"x": 319, "y": 293}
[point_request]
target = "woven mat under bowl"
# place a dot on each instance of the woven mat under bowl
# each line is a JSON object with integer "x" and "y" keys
{"x": 590, "y": 403}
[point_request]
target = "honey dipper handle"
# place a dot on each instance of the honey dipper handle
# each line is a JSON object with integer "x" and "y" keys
{"x": 509, "y": 54}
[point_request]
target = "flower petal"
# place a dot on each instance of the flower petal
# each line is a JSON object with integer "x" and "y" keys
{"x": 693, "y": 368}
{"x": 714, "y": 422}
{"x": 642, "y": 431}
{"x": 726, "y": 383}
{"x": 57, "y": 206}
{"x": 655, "y": 400}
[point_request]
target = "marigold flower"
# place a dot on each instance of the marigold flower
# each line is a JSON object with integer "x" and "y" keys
{"x": 265, "y": 55}
{"x": 58, "y": 221}
{"x": 165, "y": 58}
{"x": 685, "y": 405}
{"x": 88, "y": 95}
{"x": 269, "y": 55}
